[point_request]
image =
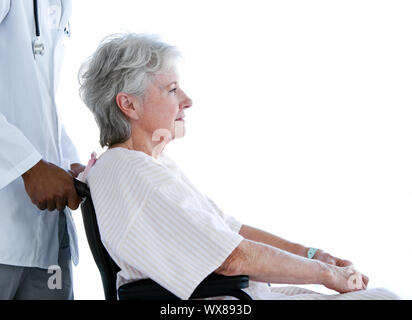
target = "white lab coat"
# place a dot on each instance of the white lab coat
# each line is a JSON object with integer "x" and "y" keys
{"x": 30, "y": 130}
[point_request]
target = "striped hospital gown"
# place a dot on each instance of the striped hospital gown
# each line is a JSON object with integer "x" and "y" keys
{"x": 155, "y": 224}
{"x": 260, "y": 291}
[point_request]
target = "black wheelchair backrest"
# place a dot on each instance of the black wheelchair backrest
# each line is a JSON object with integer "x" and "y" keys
{"x": 107, "y": 267}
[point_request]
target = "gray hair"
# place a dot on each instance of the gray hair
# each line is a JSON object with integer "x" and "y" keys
{"x": 121, "y": 63}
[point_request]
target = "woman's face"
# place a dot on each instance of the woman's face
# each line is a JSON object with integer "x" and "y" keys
{"x": 163, "y": 107}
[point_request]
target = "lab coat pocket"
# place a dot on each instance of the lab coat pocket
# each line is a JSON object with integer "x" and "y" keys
{"x": 4, "y": 9}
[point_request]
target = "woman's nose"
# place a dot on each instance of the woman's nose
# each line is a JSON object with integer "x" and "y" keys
{"x": 186, "y": 102}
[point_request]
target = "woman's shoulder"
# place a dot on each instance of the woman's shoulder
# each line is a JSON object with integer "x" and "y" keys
{"x": 130, "y": 164}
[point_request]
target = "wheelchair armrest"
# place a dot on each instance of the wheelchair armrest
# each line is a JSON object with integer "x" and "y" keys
{"x": 212, "y": 286}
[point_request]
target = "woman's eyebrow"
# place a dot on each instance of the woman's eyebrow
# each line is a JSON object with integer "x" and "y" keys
{"x": 160, "y": 85}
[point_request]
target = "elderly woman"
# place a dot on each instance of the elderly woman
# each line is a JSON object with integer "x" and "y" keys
{"x": 153, "y": 222}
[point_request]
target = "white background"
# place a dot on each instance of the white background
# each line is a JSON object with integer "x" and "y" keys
{"x": 301, "y": 123}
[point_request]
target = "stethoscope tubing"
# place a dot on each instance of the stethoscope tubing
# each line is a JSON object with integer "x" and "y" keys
{"x": 36, "y": 18}
{"x": 38, "y": 46}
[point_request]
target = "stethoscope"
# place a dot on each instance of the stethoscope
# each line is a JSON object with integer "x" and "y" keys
{"x": 38, "y": 46}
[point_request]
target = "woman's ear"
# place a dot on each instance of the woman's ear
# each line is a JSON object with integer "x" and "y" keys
{"x": 129, "y": 105}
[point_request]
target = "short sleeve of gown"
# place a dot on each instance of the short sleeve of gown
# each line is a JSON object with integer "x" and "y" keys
{"x": 232, "y": 222}
{"x": 177, "y": 240}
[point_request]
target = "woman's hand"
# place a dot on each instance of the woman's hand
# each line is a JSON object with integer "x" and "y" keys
{"x": 344, "y": 279}
{"x": 329, "y": 259}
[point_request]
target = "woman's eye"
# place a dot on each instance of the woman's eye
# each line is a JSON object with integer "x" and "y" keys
{"x": 173, "y": 90}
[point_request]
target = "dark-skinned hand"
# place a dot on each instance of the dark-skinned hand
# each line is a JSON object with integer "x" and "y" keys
{"x": 50, "y": 187}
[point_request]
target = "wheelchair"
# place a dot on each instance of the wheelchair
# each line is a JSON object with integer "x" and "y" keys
{"x": 213, "y": 285}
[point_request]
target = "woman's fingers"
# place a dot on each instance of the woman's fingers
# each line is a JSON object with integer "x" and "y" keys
{"x": 359, "y": 282}
{"x": 326, "y": 257}
{"x": 365, "y": 280}
{"x": 343, "y": 263}
{"x": 348, "y": 279}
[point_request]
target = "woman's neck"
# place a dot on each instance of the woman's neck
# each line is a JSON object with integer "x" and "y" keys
{"x": 142, "y": 142}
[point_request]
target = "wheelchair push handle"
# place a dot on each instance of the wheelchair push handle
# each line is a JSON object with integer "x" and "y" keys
{"x": 82, "y": 189}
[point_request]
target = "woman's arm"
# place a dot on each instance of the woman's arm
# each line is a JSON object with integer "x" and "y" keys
{"x": 258, "y": 235}
{"x": 269, "y": 264}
